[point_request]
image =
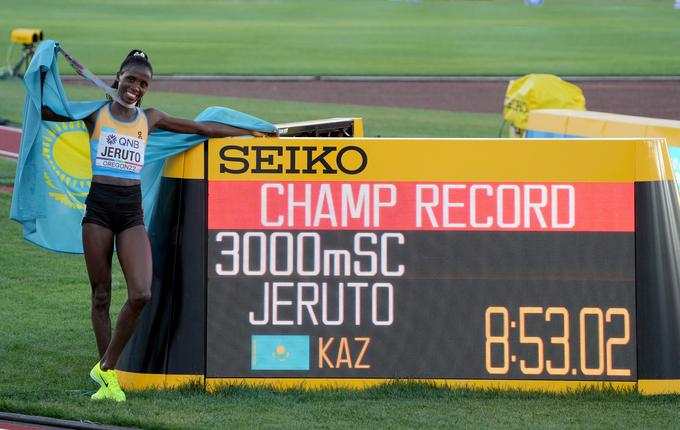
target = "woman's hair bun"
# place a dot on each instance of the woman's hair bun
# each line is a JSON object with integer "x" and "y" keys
{"x": 138, "y": 53}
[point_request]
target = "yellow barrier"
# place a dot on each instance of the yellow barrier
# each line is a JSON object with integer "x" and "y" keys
{"x": 575, "y": 123}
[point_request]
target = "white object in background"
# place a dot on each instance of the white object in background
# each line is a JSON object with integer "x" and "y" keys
{"x": 533, "y": 2}
{"x": 677, "y": 4}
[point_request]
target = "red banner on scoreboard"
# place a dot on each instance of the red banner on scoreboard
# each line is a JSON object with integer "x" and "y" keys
{"x": 582, "y": 206}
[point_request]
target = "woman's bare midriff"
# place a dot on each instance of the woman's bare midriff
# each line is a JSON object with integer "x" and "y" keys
{"x": 109, "y": 180}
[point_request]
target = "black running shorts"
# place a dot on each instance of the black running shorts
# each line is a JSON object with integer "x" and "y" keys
{"x": 116, "y": 207}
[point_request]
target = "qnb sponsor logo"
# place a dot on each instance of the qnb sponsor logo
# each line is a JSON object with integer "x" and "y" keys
{"x": 327, "y": 160}
{"x": 122, "y": 141}
{"x": 129, "y": 142}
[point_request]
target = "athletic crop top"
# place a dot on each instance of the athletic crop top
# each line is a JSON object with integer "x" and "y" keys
{"x": 117, "y": 147}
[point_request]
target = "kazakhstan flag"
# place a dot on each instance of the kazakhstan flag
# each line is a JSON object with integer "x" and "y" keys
{"x": 53, "y": 169}
{"x": 279, "y": 352}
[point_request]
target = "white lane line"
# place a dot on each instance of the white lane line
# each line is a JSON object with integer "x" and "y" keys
{"x": 8, "y": 154}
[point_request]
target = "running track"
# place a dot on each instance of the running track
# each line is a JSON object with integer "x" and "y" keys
{"x": 9, "y": 142}
{"x": 656, "y": 98}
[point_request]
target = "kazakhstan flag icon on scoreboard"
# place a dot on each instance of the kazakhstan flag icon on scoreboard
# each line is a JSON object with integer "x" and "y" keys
{"x": 284, "y": 352}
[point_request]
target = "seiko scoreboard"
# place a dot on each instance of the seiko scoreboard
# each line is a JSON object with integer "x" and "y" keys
{"x": 346, "y": 262}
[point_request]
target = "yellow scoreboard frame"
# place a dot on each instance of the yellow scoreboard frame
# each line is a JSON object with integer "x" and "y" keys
{"x": 523, "y": 264}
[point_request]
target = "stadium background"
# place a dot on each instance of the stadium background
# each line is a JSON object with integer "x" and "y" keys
{"x": 44, "y": 315}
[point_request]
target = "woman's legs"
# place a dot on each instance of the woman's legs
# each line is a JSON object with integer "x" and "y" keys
{"x": 98, "y": 249}
{"x": 134, "y": 254}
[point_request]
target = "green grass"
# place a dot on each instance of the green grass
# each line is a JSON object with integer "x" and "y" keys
{"x": 378, "y": 121}
{"x": 363, "y": 37}
{"x": 47, "y": 348}
{"x": 7, "y": 171}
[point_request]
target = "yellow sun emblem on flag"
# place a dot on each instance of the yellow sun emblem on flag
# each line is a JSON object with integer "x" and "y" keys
{"x": 66, "y": 148}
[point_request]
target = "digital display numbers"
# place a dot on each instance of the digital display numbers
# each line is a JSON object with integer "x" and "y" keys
{"x": 592, "y": 330}
{"x": 397, "y": 278}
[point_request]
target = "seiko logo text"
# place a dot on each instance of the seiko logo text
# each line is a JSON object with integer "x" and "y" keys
{"x": 326, "y": 160}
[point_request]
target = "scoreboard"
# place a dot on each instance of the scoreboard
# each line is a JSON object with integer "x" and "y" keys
{"x": 348, "y": 262}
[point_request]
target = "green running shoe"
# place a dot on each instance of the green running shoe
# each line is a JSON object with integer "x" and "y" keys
{"x": 101, "y": 394}
{"x": 95, "y": 375}
{"x": 110, "y": 389}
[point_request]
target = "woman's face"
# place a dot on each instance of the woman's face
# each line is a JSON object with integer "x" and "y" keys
{"x": 133, "y": 81}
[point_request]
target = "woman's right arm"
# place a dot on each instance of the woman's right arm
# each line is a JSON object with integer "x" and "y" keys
{"x": 48, "y": 114}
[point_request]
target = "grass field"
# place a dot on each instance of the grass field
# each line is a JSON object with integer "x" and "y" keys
{"x": 46, "y": 350}
{"x": 362, "y": 37}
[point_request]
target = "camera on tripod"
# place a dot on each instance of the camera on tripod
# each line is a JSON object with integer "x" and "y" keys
{"x": 29, "y": 38}
{"x": 26, "y": 36}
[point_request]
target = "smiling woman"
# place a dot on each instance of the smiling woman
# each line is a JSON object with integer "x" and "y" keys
{"x": 119, "y": 132}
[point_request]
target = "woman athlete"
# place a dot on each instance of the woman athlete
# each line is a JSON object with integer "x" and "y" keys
{"x": 118, "y": 135}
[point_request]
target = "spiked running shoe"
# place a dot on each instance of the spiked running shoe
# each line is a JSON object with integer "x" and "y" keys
{"x": 110, "y": 389}
{"x": 101, "y": 394}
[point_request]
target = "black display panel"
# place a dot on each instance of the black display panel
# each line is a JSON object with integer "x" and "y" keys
{"x": 449, "y": 305}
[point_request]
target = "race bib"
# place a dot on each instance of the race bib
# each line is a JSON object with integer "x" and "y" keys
{"x": 120, "y": 152}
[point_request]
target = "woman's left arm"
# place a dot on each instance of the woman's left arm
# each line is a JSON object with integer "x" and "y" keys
{"x": 159, "y": 119}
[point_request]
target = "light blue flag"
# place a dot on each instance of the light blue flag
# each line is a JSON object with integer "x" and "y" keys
{"x": 279, "y": 352}
{"x": 53, "y": 169}
{"x": 674, "y": 152}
